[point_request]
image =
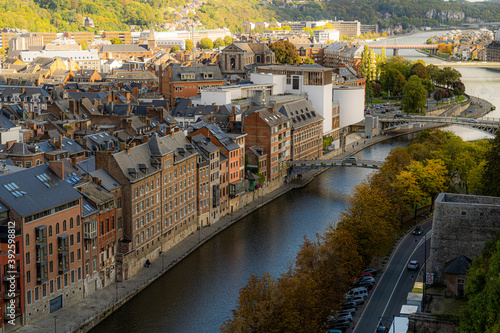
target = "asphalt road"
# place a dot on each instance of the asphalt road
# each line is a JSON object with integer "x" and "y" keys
{"x": 392, "y": 288}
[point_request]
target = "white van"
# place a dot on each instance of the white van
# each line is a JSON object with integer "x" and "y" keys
{"x": 360, "y": 291}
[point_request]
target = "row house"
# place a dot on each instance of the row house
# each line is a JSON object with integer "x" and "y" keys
{"x": 47, "y": 212}
{"x": 306, "y": 131}
{"x": 33, "y": 99}
{"x": 313, "y": 51}
{"x": 272, "y": 131}
{"x": 208, "y": 179}
{"x": 24, "y": 155}
{"x": 185, "y": 82}
{"x": 340, "y": 54}
{"x": 99, "y": 234}
{"x": 159, "y": 193}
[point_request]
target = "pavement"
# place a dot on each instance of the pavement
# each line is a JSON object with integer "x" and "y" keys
{"x": 79, "y": 316}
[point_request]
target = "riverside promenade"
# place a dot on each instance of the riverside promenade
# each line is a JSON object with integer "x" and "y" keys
{"x": 87, "y": 313}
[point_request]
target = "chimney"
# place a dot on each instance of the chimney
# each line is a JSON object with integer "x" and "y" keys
{"x": 271, "y": 109}
{"x": 217, "y": 108}
{"x": 132, "y": 144}
{"x": 53, "y": 141}
{"x": 127, "y": 149}
{"x": 123, "y": 146}
{"x": 102, "y": 160}
{"x": 233, "y": 109}
{"x": 57, "y": 167}
{"x": 95, "y": 180}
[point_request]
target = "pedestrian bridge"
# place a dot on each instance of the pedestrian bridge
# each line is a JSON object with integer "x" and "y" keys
{"x": 487, "y": 126}
{"x": 298, "y": 167}
{"x": 395, "y": 48}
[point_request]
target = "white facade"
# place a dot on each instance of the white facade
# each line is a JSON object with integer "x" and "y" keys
{"x": 326, "y": 35}
{"x": 278, "y": 81}
{"x": 497, "y": 35}
{"x": 10, "y": 134}
{"x": 209, "y": 97}
{"x": 352, "y": 104}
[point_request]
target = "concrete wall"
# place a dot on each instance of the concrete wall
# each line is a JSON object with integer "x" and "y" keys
{"x": 427, "y": 323}
{"x": 462, "y": 225}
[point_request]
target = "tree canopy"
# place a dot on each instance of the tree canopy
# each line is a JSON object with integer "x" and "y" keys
{"x": 285, "y": 52}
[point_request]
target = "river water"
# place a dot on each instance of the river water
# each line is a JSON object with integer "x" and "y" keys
{"x": 198, "y": 294}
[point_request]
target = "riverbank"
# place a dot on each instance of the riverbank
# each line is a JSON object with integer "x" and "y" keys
{"x": 82, "y": 316}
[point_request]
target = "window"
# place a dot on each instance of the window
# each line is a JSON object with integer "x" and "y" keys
{"x": 28, "y": 277}
{"x": 119, "y": 202}
{"x": 51, "y": 266}
{"x": 71, "y": 240}
{"x": 78, "y": 220}
{"x": 58, "y": 282}
{"x": 64, "y": 225}
{"x": 71, "y": 223}
{"x": 78, "y": 237}
{"x": 28, "y": 296}
{"x": 27, "y": 258}
{"x": 78, "y": 255}
{"x": 50, "y": 231}
{"x": 50, "y": 249}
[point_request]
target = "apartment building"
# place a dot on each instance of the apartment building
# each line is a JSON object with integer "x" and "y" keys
{"x": 124, "y": 36}
{"x": 47, "y": 210}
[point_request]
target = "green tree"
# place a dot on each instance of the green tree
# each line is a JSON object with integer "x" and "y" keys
{"x": 116, "y": 40}
{"x": 308, "y": 61}
{"x": 206, "y": 43}
{"x": 285, "y": 52}
{"x": 174, "y": 49}
{"x": 491, "y": 175}
{"x": 228, "y": 40}
{"x": 399, "y": 84}
{"x": 218, "y": 43}
{"x": 414, "y": 95}
{"x": 412, "y": 194}
{"x": 188, "y": 44}
{"x": 309, "y": 30}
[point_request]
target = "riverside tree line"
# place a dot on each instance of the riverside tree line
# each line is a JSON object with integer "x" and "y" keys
{"x": 301, "y": 299}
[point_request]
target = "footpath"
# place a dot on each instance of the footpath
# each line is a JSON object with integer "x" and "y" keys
{"x": 87, "y": 313}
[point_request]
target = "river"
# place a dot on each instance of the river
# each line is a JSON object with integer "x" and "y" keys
{"x": 198, "y": 294}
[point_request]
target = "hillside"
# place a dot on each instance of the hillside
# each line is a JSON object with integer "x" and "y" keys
{"x": 67, "y": 15}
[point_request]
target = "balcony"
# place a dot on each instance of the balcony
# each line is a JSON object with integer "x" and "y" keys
{"x": 90, "y": 229}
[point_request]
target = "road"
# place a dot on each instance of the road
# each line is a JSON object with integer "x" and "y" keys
{"x": 393, "y": 286}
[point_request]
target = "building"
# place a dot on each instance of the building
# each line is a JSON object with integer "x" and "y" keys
{"x": 24, "y": 155}
{"x": 348, "y": 28}
{"x": 124, "y": 36}
{"x": 326, "y": 36}
{"x": 21, "y": 43}
{"x": 311, "y": 81}
{"x": 306, "y": 131}
{"x": 462, "y": 225}
{"x": 158, "y": 195}
{"x": 271, "y": 131}
{"x": 32, "y": 99}
{"x": 257, "y": 160}
{"x": 86, "y": 59}
{"x": 184, "y": 82}
{"x": 81, "y": 36}
{"x": 47, "y": 211}
{"x": 341, "y": 54}
{"x": 242, "y": 57}
{"x": 123, "y": 51}
{"x": 493, "y": 51}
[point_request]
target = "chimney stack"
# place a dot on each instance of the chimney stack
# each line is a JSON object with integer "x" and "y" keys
{"x": 57, "y": 167}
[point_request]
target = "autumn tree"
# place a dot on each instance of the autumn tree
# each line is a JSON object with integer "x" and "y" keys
{"x": 218, "y": 43}
{"x": 227, "y": 40}
{"x": 431, "y": 177}
{"x": 491, "y": 175}
{"x": 308, "y": 61}
{"x": 419, "y": 70}
{"x": 412, "y": 194}
{"x": 188, "y": 44}
{"x": 174, "y": 49}
{"x": 116, "y": 40}
{"x": 285, "y": 52}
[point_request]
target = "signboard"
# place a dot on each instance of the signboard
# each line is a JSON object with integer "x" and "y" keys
{"x": 429, "y": 278}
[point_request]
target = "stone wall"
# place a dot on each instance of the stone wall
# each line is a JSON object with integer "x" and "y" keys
{"x": 462, "y": 225}
{"x": 428, "y": 323}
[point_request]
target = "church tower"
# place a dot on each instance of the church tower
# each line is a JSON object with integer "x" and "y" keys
{"x": 151, "y": 37}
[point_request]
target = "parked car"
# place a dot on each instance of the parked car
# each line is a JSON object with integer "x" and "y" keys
{"x": 366, "y": 278}
{"x": 341, "y": 323}
{"x": 364, "y": 284}
{"x": 381, "y": 329}
{"x": 344, "y": 315}
{"x": 359, "y": 299}
{"x": 472, "y": 121}
{"x": 366, "y": 274}
{"x": 418, "y": 230}
{"x": 334, "y": 330}
{"x": 370, "y": 270}
{"x": 349, "y": 305}
{"x": 360, "y": 291}
{"x": 398, "y": 115}
{"x": 413, "y": 265}
{"x": 351, "y": 311}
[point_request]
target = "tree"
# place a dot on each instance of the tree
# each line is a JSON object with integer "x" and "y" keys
{"x": 174, "y": 49}
{"x": 228, "y": 40}
{"x": 491, "y": 175}
{"x": 414, "y": 95}
{"x": 188, "y": 44}
{"x": 431, "y": 177}
{"x": 419, "y": 70}
{"x": 206, "y": 43}
{"x": 116, "y": 40}
{"x": 285, "y": 52}
{"x": 308, "y": 61}
{"x": 399, "y": 84}
{"x": 218, "y": 43}
{"x": 412, "y": 194}
{"x": 309, "y": 30}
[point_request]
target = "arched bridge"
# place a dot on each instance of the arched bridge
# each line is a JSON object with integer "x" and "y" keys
{"x": 298, "y": 167}
{"x": 488, "y": 126}
{"x": 395, "y": 48}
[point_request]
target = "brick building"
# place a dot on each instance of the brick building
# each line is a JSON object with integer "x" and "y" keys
{"x": 48, "y": 212}
{"x": 185, "y": 82}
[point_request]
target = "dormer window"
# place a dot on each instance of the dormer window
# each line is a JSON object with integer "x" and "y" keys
{"x": 208, "y": 76}
{"x": 187, "y": 76}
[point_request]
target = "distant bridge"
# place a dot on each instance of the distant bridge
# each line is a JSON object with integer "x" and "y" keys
{"x": 488, "y": 126}
{"x": 298, "y": 167}
{"x": 395, "y": 48}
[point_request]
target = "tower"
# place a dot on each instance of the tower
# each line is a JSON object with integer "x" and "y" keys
{"x": 151, "y": 37}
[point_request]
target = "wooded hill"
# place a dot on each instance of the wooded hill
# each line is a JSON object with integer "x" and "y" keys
{"x": 67, "y": 15}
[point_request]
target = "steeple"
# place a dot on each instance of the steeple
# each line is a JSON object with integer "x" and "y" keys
{"x": 151, "y": 37}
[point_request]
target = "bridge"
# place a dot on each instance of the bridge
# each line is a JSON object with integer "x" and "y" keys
{"x": 298, "y": 167}
{"x": 395, "y": 48}
{"x": 487, "y": 126}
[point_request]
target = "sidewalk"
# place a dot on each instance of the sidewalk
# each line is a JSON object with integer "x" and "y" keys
{"x": 83, "y": 315}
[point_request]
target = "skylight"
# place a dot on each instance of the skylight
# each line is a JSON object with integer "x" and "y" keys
{"x": 46, "y": 180}
{"x": 14, "y": 190}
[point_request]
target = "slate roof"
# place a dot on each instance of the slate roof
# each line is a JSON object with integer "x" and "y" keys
{"x": 198, "y": 71}
{"x": 88, "y": 208}
{"x": 125, "y": 48}
{"x": 459, "y": 265}
{"x": 21, "y": 148}
{"x": 87, "y": 165}
{"x": 222, "y": 137}
{"x": 5, "y": 122}
{"x": 301, "y": 112}
{"x": 203, "y": 145}
{"x": 67, "y": 144}
{"x": 92, "y": 96}
{"x": 257, "y": 151}
{"x": 35, "y": 196}
{"x": 271, "y": 118}
{"x": 107, "y": 181}
{"x": 94, "y": 193}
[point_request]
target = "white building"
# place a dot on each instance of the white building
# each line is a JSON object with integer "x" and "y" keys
{"x": 326, "y": 35}
{"x": 86, "y": 59}
{"x": 352, "y": 104}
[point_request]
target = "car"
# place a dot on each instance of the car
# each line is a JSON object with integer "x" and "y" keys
{"x": 472, "y": 120}
{"x": 408, "y": 116}
{"x": 351, "y": 311}
{"x": 381, "y": 329}
{"x": 367, "y": 111}
{"x": 359, "y": 299}
{"x": 334, "y": 330}
{"x": 350, "y": 160}
{"x": 418, "y": 230}
{"x": 366, "y": 278}
{"x": 359, "y": 291}
{"x": 398, "y": 115}
{"x": 364, "y": 284}
{"x": 344, "y": 315}
{"x": 341, "y": 323}
{"x": 366, "y": 274}
{"x": 370, "y": 270}
{"x": 412, "y": 265}
{"x": 349, "y": 305}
